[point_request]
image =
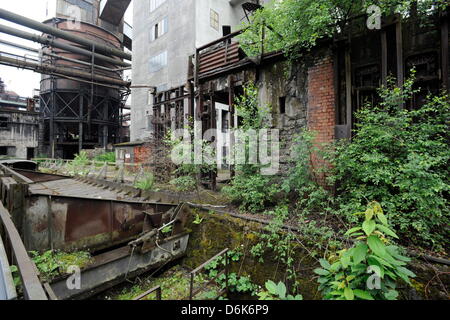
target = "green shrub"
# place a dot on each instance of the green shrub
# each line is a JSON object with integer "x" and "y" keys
{"x": 252, "y": 192}
{"x": 277, "y": 292}
{"x": 146, "y": 183}
{"x": 371, "y": 268}
{"x": 106, "y": 157}
{"x": 400, "y": 158}
{"x": 51, "y": 263}
{"x": 79, "y": 164}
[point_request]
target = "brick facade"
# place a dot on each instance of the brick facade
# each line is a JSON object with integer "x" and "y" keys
{"x": 321, "y": 106}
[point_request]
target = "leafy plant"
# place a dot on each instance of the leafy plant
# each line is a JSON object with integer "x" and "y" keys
{"x": 106, "y": 157}
{"x": 236, "y": 283}
{"x": 252, "y": 191}
{"x": 400, "y": 158}
{"x": 146, "y": 183}
{"x": 348, "y": 275}
{"x": 292, "y": 25}
{"x": 198, "y": 220}
{"x": 167, "y": 230}
{"x": 79, "y": 165}
{"x": 277, "y": 292}
{"x": 52, "y": 264}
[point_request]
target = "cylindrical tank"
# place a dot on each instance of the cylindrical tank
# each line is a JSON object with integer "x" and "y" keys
{"x": 78, "y": 114}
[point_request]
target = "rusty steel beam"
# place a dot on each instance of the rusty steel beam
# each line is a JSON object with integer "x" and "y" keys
{"x": 32, "y": 287}
{"x": 116, "y": 266}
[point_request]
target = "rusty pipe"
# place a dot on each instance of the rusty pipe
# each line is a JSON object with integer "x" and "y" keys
{"x": 50, "y": 69}
{"x": 33, "y": 24}
{"x": 58, "y": 44}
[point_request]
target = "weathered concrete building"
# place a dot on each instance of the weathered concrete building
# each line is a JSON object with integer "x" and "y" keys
{"x": 19, "y": 126}
{"x": 168, "y": 31}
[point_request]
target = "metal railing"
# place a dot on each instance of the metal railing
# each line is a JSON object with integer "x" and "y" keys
{"x": 31, "y": 286}
{"x": 193, "y": 293}
{"x": 149, "y": 292}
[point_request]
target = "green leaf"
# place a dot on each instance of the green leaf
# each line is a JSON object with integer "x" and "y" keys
{"x": 369, "y": 214}
{"x": 387, "y": 231}
{"x": 406, "y": 271}
{"x": 363, "y": 294}
{"x": 359, "y": 253}
{"x": 321, "y": 272}
{"x": 377, "y": 270}
{"x": 369, "y": 227}
{"x": 348, "y": 293}
{"x": 281, "y": 290}
{"x": 271, "y": 287}
{"x": 325, "y": 264}
{"x": 382, "y": 218}
{"x": 391, "y": 295}
{"x": 352, "y": 230}
{"x": 376, "y": 245}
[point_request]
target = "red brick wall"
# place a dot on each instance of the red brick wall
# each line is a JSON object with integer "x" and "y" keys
{"x": 142, "y": 154}
{"x": 321, "y": 106}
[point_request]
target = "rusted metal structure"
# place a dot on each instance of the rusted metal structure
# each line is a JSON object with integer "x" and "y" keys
{"x": 121, "y": 226}
{"x": 13, "y": 252}
{"x": 81, "y": 115}
{"x": 82, "y": 95}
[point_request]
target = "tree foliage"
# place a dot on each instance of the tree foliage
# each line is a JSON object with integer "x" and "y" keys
{"x": 291, "y": 25}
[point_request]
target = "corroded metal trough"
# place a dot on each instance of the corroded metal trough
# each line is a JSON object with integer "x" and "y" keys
{"x": 120, "y": 225}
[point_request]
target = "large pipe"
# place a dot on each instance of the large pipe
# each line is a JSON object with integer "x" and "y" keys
{"x": 50, "y": 69}
{"x": 22, "y": 47}
{"x": 19, "y": 46}
{"x": 58, "y": 44}
{"x": 30, "y": 23}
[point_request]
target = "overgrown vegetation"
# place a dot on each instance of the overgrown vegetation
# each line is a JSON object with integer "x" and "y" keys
{"x": 292, "y": 25}
{"x": 109, "y": 157}
{"x": 52, "y": 264}
{"x": 370, "y": 269}
{"x": 252, "y": 190}
{"x": 79, "y": 165}
{"x": 400, "y": 158}
{"x": 277, "y": 292}
{"x": 146, "y": 182}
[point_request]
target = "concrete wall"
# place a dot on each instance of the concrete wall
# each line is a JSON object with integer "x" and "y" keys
{"x": 188, "y": 27}
{"x": 22, "y": 133}
{"x": 179, "y": 42}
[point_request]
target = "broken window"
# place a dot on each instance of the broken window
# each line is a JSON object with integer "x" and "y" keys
{"x": 214, "y": 19}
{"x": 282, "y": 103}
{"x": 4, "y": 123}
{"x": 427, "y": 76}
{"x": 225, "y": 121}
{"x": 3, "y": 151}
{"x": 159, "y": 29}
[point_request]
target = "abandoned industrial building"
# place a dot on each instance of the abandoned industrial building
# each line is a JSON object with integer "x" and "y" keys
{"x": 93, "y": 204}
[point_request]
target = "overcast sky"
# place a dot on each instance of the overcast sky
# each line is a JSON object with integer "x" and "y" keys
{"x": 23, "y": 81}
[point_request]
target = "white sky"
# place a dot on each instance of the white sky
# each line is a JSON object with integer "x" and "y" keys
{"x": 24, "y": 81}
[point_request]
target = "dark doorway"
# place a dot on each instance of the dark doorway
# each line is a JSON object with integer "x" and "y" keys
{"x": 30, "y": 153}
